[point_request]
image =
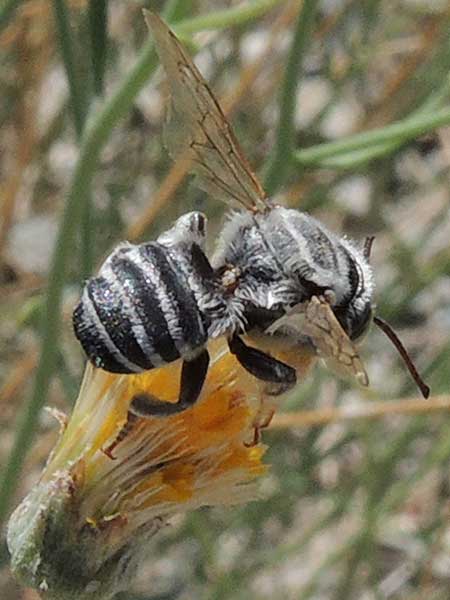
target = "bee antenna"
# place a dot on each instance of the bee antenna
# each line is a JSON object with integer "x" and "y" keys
{"x": 367, "y": 248}
{"x": 387, "y": 329}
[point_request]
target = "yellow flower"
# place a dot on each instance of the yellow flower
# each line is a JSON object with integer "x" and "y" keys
{"x": 113, "y": 478}
{"x": 146, "y": 467}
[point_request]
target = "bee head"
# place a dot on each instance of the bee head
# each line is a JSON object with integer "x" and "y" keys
{"x": 357, "y": 314}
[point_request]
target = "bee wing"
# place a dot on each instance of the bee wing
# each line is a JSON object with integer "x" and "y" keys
{"x": 331, "y": 341}
{"x": 198, "y": 127}
{"x": 315, "y": 320}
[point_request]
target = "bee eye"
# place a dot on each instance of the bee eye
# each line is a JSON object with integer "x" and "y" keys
{"x": 354, "y": 322}
{"x": 360, "y": 322}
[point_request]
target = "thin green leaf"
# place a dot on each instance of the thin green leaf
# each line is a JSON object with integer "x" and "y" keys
{"x": 280, "y": 159}
{"x": 68, "y": 53}
{"x": 98, "y": 31}
{"x": 7, "y": 10}
{"x": 400, "y": 132}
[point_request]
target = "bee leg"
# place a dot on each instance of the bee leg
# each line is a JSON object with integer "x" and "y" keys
{"x": 263, "y": 366}
{"x": 257, "y": 430}
{"x": 125, "y": 430}
{"x": 193, "y": 375}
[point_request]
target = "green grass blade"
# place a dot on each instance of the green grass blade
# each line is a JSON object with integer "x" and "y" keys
{"x": 7, "y": 10}
{"x": 400, "y": 132}
{"x": 278, "y": 163}
{"x": 98, "y": 32}
{"x": 67, "y": 49}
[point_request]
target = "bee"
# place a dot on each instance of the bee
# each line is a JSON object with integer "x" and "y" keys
{"x": 277, "y": 274}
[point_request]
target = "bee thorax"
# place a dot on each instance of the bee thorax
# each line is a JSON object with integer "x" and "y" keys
{"x": 286, "y": 257}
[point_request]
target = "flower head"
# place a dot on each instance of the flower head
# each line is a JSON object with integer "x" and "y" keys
{"x": 114, "y": 478}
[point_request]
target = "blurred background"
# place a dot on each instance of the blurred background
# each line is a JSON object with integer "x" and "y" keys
{"x": 357, "y": 502}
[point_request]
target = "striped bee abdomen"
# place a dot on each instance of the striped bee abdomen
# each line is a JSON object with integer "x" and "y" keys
{"x": 105, "y": 331}
{"x": 140, "y": 312}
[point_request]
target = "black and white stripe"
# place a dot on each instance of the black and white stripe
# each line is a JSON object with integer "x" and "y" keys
{"x": 90, "y": 328}
{"x": 142, "y": 310}
{"x": 178, "y": 301}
